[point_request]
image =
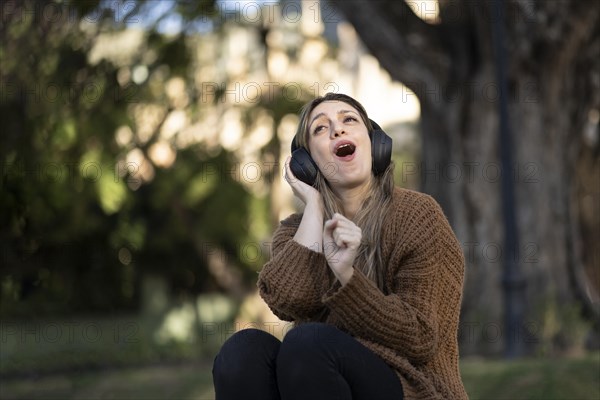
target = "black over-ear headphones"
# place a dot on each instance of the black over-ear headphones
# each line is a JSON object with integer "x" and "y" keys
{"x": 305, "y": 168}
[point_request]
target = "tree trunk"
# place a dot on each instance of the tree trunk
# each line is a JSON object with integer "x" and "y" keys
{"x": 552, "y": 86}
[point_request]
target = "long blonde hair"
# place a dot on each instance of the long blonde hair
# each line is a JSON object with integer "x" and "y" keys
{"x": 376, "y": 206}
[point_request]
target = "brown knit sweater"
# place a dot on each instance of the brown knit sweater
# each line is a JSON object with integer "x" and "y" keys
{"x": 413, "y": 327}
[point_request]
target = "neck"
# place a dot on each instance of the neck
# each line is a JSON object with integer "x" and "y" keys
{"x": 352, "y": 199}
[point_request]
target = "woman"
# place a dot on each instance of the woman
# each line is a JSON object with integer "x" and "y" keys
{"x": 371, "y": 275}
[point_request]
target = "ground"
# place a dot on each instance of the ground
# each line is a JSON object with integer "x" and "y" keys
{"x": 544, "y": 379}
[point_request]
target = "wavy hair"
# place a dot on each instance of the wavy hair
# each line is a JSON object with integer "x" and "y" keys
{"x": 375, "y": 209}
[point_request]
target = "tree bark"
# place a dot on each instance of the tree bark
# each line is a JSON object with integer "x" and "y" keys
{"x": 553, "y": 48}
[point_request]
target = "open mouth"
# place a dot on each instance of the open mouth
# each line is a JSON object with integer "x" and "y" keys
{"x": 345, "y": 150}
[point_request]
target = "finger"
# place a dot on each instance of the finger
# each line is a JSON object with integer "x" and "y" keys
{"x": 350, "y": 230}
{"x": 344, "y": 221}
{"x": 345, "y": 228}
{"x": 339, "y": 217}
{"x": 330, "y": 225}
{"x": 347, "y": 240}
{"x": 337, "y": 233}
{"x": 339, "y": 241}
{"x": 287, "y": 172}
{"x": 328, "y": 230}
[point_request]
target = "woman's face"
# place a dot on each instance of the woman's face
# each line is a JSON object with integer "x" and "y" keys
{"x": 339, "y": 143}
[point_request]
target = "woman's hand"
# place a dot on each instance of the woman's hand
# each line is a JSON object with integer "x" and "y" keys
{"x": 341, "y": 240}
{"x": 310, "y": 231}
{"x": 304, "y": 192}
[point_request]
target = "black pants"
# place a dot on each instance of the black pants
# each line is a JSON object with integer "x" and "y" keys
{"x": 314, "y": 361}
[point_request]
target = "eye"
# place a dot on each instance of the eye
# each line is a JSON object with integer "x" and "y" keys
{"x": 318, "y": 129}
{"x": 350, "y": 119}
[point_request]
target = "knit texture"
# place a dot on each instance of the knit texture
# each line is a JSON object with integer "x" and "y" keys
{"x": 414, "y": 325}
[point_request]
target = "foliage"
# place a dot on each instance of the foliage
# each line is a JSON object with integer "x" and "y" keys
{"x": 85, "y": 211}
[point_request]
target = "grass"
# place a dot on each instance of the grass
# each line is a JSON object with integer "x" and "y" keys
{"x": 547, "y": 379}
{"x": 184, "y": 381}
{"x": 544, "y": 379}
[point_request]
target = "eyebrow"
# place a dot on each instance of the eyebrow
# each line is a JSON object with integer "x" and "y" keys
{"x": 319, "y": 115}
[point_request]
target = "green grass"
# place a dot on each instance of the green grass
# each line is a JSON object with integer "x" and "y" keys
{"x": 544, "y": 379}
{"x": 547, "y": 379}
{"x": 186, "y": 381}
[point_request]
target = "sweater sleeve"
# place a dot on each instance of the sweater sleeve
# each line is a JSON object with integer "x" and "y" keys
{"x": 293, "y": 282}
{"x": 406, "y": 320}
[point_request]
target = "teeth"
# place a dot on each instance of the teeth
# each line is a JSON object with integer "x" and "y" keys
{"x": 345, "y": 149}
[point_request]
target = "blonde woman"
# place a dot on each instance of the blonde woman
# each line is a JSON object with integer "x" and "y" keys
{"x": 371, "y": 274}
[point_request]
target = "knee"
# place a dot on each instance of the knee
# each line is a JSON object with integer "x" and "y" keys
{"x": 311, "y": 335}
{"x": 307, "y": 341}
{"x": 245, "y": 349}
{"x": 306, "y": 350}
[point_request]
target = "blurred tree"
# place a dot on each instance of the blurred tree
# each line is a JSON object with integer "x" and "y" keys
{"x": 93, "y": 196}
{"x": 552, "y": 69}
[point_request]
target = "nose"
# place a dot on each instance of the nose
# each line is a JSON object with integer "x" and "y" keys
{"x": 338, "y": 130}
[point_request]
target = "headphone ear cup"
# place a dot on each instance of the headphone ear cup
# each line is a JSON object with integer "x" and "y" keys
{"x": 381, "y": 149}
{"x": 302, "y": 165}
